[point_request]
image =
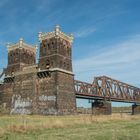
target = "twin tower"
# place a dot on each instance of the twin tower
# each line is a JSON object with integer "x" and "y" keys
{"x": 46, "y": 87}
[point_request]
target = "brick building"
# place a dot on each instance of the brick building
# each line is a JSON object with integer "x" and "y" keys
{"x": 46, "y": 87}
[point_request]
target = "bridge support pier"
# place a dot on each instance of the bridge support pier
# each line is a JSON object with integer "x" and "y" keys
{"x": 101, "y": 107}
{"x": 135, "y": 109}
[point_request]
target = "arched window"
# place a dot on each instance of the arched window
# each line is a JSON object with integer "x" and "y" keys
{"x": 48, "y": 46}
{"x": 44, "y": 51}
{"x": 13, "y": 56}
{"x": 42, "y": 62}
{"x": 44, "y": 45}
{"x": 47, "y": 64}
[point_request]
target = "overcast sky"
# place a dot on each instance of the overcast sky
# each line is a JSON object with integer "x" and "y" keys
{"x": 106, "y": 33}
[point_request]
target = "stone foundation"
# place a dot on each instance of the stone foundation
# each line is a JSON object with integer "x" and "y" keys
{"x": 135, "y": 109}
{"x": 101, "y": 108}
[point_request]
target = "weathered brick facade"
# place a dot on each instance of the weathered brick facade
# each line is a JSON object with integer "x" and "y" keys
{"x": 43, "y": 88}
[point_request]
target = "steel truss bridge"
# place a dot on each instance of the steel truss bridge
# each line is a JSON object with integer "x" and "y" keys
{"x": 107, "y": 89}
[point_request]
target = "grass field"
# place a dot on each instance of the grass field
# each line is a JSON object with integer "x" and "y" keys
{"x": 78, "y": 127}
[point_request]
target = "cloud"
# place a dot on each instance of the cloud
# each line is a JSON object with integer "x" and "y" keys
{"x": 84, "y": 32}
{"x": 89, "y": 30}
{"x": 120, "y": 61}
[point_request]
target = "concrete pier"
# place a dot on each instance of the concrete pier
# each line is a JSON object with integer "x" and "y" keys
{"x": 135, "y": 109}
{"x": 101, "y": 107}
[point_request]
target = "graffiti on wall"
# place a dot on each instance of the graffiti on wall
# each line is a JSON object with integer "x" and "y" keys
{"x": 47, "y": 98}
{"x": 21, "y": 105}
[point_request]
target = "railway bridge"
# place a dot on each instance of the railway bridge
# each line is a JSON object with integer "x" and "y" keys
{"x": 105, "y": 90}
{"x": 48, "y": 86}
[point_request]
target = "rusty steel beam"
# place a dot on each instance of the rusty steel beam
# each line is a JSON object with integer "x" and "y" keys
{"x": 106, "y": 88}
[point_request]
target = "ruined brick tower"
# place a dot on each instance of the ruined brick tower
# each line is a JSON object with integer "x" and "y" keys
{"x": 43, "y": 88}
{"x": 20, "y": 56}
{"x": 56, "y": 80}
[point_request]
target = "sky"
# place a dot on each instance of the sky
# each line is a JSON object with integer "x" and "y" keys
{"x": 106, "y": 33}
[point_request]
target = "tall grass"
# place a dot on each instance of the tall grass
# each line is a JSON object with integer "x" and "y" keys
{"x": 24, "y": 124}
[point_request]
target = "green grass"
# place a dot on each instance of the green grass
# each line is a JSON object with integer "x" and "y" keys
{"x": 78, "y": 127}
